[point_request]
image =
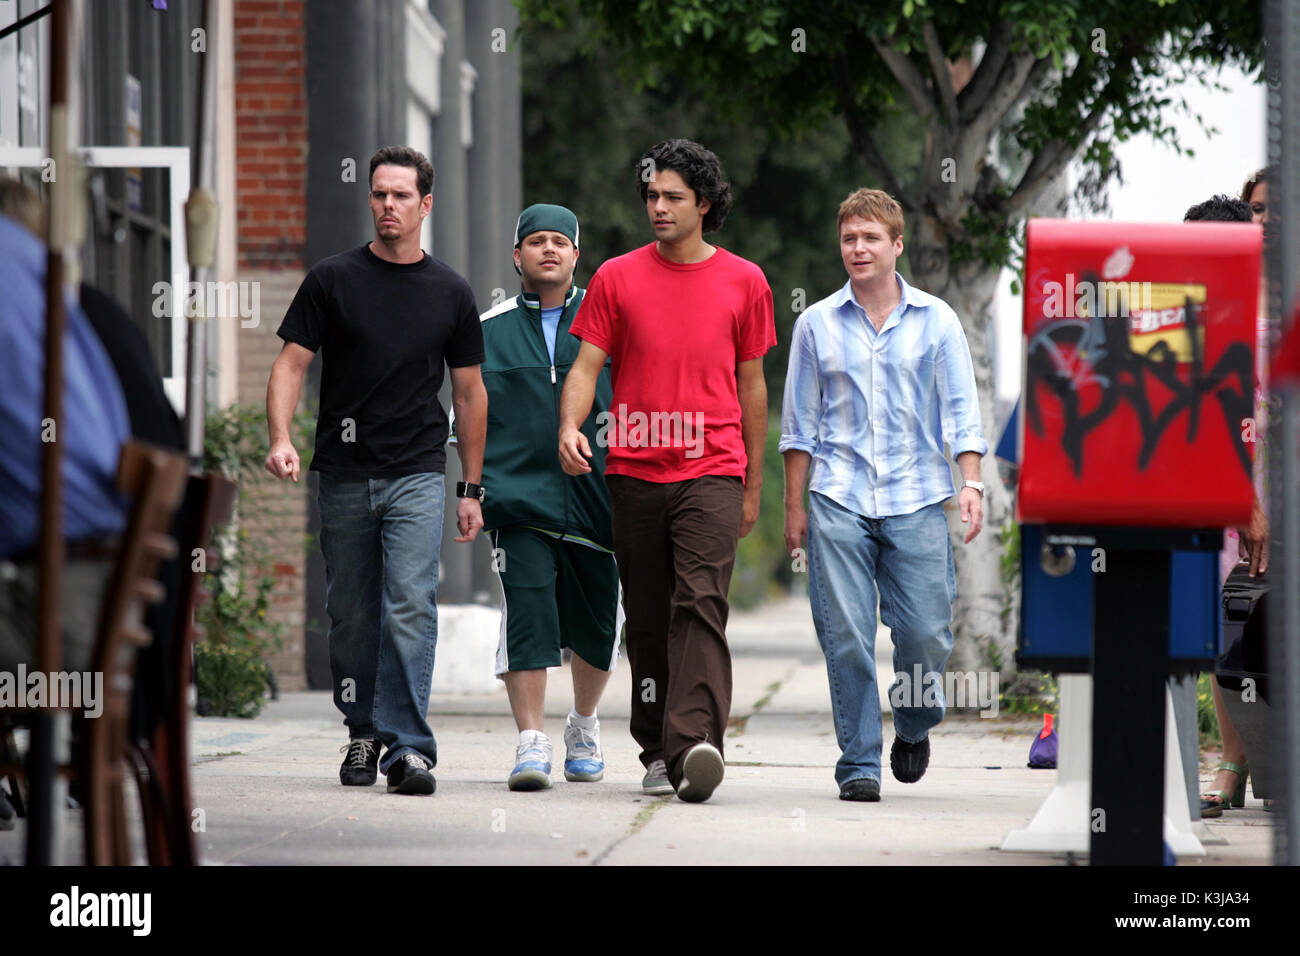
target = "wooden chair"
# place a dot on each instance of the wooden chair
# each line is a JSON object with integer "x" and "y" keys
{"x": 153, "y": 479}
{"x": 162, "y": 764}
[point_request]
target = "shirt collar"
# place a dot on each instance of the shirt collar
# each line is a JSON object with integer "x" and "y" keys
{"x": 845, "y": 297}
{"x": 533, "y": 302}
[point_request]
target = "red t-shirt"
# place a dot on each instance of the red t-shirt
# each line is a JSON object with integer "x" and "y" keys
{"x": 675, "y": 333}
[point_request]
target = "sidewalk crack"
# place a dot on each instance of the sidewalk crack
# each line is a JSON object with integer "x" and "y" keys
{"x": 638, "y": 824}
{"x": 737, "y": 725}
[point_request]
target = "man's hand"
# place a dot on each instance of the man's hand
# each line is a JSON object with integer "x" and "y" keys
{"x": 749, "y": 507}
{"x": 1253, "y": 541}
{"x": 972, "y": 511}
{"x": 282, "y": 390}
{"x": 796, "y": 526}
{"x": 575, "y": 405}
{"x": 282, "y": 460}
{"x": 469, "y": 519}
{"x": 574, "y": 452}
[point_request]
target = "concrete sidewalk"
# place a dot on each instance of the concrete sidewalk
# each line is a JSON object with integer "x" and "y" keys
{"x": 268, "y": 788}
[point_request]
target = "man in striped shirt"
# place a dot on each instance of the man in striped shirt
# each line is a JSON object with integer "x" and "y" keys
{"x": 880, "y": 379}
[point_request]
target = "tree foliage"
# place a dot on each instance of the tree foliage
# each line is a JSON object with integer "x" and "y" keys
{"x": 1057, "y": 79}
{"x": 587, "y": 119}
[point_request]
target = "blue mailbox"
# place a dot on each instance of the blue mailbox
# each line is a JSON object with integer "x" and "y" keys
{"x": 1056, "y": 616}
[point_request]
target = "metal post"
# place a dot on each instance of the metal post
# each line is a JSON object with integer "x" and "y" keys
{"x": 1282, "y": 251}
{"x": 201, "y": 217}
{"x": 1129, "y": 668}
{"x": 44, "y": 751}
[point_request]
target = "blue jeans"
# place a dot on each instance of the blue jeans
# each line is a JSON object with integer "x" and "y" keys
{"x": 380, "y": 538}
{"x": 909, "y": 559}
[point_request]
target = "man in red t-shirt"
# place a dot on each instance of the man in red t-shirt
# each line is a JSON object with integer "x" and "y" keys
{"x": 685, "y": 325}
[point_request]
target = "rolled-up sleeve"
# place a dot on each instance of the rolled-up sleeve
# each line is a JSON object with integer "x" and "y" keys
{"x": 959, "y": 405}
{"x": 801, "y": 404}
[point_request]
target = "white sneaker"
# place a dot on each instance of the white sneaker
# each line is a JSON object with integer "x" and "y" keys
{"x": 532, "y": 762}
{"x": 583, "y": 760}
{"x": 655, "y": 782}
{"x": 702, "y": 771}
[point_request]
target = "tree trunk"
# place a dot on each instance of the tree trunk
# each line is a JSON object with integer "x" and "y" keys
{"x": 985, "y": 614}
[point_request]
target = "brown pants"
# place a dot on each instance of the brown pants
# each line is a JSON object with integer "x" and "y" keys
{"x": 675, "y": 544}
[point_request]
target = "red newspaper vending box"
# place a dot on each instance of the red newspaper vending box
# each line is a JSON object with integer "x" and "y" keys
{"x": 1139, "y": 376}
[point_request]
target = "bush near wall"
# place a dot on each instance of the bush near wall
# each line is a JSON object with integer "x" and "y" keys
{"x": 231, "y": 669}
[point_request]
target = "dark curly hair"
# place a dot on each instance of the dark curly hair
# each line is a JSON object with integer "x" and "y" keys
{"x": 1219, "y": 209}
{"x": 699, "y": 168}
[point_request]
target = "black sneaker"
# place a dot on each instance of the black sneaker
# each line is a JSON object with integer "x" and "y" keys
{"x": 410, "y": 774}
{"x": 361, "y": 765}
{"x": 863, "y": 789}
{"x": 908, "y": 761}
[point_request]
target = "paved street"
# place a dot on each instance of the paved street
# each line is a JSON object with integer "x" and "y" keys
{"x": 269, "y": 790}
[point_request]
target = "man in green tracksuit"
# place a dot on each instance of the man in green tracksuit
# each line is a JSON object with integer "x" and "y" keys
{"x": 553, "y": 547}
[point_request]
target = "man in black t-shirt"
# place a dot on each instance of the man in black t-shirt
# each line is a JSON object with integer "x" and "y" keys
{"x": 385, "y": 317}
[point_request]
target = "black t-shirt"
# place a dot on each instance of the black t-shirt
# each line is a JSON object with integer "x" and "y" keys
{"x": 384, "y": 330}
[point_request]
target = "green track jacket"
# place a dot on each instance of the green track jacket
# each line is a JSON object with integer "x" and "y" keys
{"x": 521, "y": 465}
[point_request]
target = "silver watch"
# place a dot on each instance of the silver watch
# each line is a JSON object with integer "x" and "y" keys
{"x": 977, "y": 485}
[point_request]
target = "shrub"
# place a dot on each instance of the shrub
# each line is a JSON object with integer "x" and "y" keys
{"x": 230, "y": 663}
{"x": 231, "y": 680}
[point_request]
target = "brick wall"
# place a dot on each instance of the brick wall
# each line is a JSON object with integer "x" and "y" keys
{"x": 271, "y": 118}
{"x": 271, "y": 216}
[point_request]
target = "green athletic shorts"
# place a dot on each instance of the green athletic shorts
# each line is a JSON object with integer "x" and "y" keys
{"x": 556, "y": 594}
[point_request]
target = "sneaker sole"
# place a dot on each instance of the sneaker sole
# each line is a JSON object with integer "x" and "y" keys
{"x": 702, "y": 771}
{"x": 359, "y": 783}
{"x": 584, "y": 777}
{"x": 421, "y": 786}
{"x": 664, "y": 789}
{"x": 529, "y": 780}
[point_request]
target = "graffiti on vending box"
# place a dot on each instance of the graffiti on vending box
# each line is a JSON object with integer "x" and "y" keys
{"x": 1112, "y": 354}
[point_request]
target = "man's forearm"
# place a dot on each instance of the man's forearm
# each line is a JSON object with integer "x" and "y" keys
{"x": 969, "y": 463}
{"x": 471, "y": 432}
{"x": 281, "y": 399}
{"x": 753, "y": 428}
{"x": 797, "y": 465}
{"x": 579, "y": 392}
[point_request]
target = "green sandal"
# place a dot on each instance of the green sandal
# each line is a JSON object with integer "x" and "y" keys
{"x": 1216, "y": 801}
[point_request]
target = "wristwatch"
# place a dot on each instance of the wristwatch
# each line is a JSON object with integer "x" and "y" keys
{"x": 977, "y": 485}
{"x": 467, "y": 489}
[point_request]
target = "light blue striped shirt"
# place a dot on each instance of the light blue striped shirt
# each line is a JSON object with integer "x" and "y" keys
{"x": 874, "y": 409}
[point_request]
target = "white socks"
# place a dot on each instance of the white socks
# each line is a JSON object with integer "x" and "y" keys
{"x": 589, "y": 724}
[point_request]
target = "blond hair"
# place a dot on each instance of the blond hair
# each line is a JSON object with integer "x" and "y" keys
{"x": 873, "y": 204}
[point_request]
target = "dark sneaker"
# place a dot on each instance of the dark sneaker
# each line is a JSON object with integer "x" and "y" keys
{"x": 908, "y": 761}
{"x": 863, "y": 789}
{"x": 702, "y": 771}
{"x": 410, "y": 774}
{"x": 361, "y": 765}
